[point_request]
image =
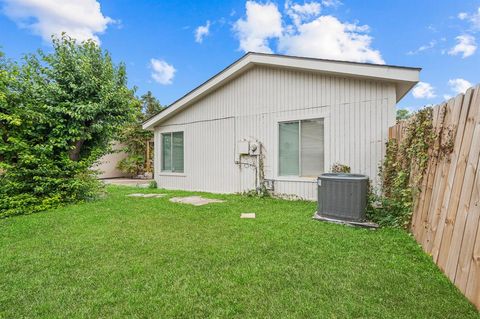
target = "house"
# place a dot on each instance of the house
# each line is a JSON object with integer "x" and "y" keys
{"x": 278, "y": 121}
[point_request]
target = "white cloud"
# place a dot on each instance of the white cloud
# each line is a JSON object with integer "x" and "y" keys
{"x": 423, "y": 90}
{"x": 425, "y": 47}
{"x": 327, "y": 37}
{"x": 201, "y": 32}
{"x": 310, "y": 8}
{"x": 310, "y": 34}
{"x": 466, "y": 46}
{"x": 331, "y": 3}
{"x": 459, "y": 85}
{"x": 447, "y": 96}
{"x": 462, "y": 15}
{"x": 80, "y": 19}
{"x": 162, "y": 72}
{"x": 263, "y": 22}
{"x": 299, "y": 13}
{"x": 473, "y": 18}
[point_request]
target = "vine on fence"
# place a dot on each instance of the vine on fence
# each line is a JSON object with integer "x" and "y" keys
{"x": 402, "y": 171}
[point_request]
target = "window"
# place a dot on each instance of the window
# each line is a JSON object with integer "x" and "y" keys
{"x": 172, "y": 152}
{"x": 301, "y": 148}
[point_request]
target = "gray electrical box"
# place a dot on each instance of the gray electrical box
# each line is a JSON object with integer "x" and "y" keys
{"x": 342, "y": 196}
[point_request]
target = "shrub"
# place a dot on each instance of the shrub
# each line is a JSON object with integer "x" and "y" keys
{"x": 132, "y": 165}
{"x": 152, "y": 184}
{"x": 340, "y": 168}
{"x": 58, "y": 114}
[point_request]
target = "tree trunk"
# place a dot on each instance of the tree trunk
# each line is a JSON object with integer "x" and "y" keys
{"x": 75, "y": 153}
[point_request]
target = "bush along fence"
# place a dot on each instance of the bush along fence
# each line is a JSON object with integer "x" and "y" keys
{"x": 444, "y": 185}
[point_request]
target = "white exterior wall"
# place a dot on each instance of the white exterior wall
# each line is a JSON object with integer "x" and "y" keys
{"x": 357, "y": 115}
{"x": 107, "y": 165}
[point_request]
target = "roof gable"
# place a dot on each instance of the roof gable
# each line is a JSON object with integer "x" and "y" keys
{"x": 404, "y": 78}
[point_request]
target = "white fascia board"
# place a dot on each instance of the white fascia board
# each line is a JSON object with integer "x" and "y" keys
{"x": 403, "y": 78}
{"x": 365, "y": 70}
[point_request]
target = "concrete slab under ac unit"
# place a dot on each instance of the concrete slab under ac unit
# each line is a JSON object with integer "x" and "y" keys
{"x": 345, "y": 222}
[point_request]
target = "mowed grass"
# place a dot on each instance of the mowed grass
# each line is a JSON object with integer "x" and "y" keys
{"x": 150, "y": 258}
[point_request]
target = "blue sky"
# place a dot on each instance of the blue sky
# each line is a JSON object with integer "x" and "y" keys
{"x": 171, "y": 47}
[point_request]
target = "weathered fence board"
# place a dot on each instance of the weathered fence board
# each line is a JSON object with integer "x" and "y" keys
{"x": 457, "y": 132}
{"x": 473, "y": 284}
{"x": 446, "y": 214}
{"x": 452, "y": 116}
{"x": 471, "y": 226}
{"x": 458, "y": 195}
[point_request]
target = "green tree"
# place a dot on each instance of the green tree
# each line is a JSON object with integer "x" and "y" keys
{"x": 150, "y": 105}
{"x": 402, "y": 114}
{"x": 8, "y": 120}
{"x": 135, "y": 138}
{"x": 60, "y": 111}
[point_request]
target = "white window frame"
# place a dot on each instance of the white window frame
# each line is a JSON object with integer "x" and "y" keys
{"x": 326, "y": 136}
{"x": 171, "y": 172}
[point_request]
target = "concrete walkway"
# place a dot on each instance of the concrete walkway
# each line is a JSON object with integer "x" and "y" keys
{"x": 128, "y": 181}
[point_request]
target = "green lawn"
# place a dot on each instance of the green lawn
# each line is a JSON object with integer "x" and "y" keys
{"x": 148, "y": 257}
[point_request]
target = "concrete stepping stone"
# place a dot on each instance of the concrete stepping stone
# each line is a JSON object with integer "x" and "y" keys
{"x": 147, "y": 195}
{"x": 153, "y": 195}
{"x": 195, "y": 200}
{"x": 248, "y": 215}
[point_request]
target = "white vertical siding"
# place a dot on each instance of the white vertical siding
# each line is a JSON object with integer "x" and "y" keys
{"x": 357, "y": 115}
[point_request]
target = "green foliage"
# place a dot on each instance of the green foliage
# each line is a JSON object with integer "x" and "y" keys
{"x": 402, "y": 172}
{"x": 131, "y": 165}
{"x": 260, "y": 192}
{"x": 403, "y": 114}
{"x": 340, "y": 168}
{"x": 58, "y": 113}
{"x": 135, "y": 138}
{"x": 47, "y": 192}
{"x": 152, "y": 185}
{"x": 150, "y": 105}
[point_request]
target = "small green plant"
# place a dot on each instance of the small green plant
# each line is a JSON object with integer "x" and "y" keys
{"x": 131, "y": 165}
{"x": 402, "y": 172}
{"x": 260, "y": 192}
{"x": 152, "y": 184}
{"x": 340, "y": 168}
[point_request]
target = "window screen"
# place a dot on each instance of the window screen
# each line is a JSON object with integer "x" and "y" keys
{"x": 167, "y": 152}
{"x": 177, "y": 152}
{"x": 172, "y": 152}
{"x": 301, "y": 149}
{"x": 289, "y": 146}
{"x": 312, "y": 148}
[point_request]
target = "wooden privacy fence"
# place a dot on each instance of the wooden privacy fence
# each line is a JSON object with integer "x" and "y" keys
{"x": 447, "y": 209}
